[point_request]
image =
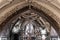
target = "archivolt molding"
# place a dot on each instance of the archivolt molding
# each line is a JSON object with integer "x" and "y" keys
{"x": 47, "y": 7}
{"x": 10, "y": 9}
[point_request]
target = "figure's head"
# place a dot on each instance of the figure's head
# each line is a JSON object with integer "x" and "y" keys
{"x": 43, "y": 27}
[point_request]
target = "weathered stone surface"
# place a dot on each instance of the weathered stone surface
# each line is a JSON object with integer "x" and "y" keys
{"x": 50, "y": 7}
{"x": 47, "y": 6}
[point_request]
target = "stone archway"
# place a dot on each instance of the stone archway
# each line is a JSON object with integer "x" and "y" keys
{"x": 17, "y": 6}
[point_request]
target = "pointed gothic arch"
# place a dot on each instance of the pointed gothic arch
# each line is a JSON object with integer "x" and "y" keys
{"x": 26, "y": 7}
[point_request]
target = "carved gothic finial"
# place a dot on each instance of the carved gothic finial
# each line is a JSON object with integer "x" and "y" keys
{"x": 29, "y": 3}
